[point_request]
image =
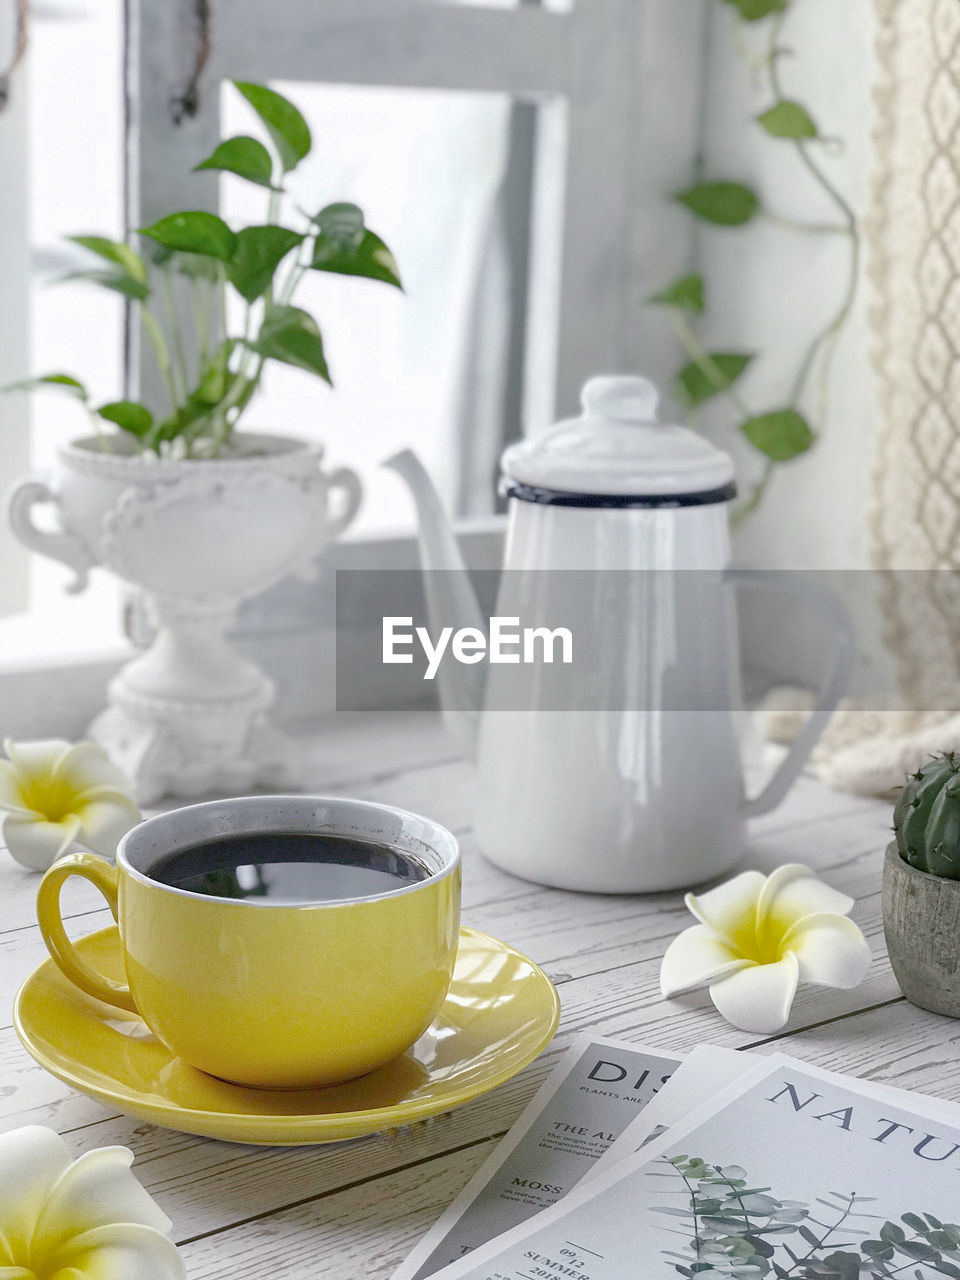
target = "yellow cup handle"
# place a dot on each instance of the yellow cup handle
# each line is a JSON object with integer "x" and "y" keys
{"x": 104, "y": 876}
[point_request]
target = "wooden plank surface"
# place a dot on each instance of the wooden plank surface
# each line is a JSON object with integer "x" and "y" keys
{"x": 353, "y": 1210}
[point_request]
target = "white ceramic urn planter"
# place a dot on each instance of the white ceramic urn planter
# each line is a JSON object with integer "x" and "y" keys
{"x": 190, "y": 715}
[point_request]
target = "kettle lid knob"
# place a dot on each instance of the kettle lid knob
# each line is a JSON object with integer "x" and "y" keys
{"x": 617, "y": 453}
{"x": 621, "y": 399}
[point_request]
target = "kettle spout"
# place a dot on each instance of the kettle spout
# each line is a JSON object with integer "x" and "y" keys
{"x": 451, "y": 600}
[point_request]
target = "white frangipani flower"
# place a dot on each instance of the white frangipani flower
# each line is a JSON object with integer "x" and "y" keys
{"x": 86, "y": 1219}
{"x": 758, "y": 938}
{"x": 54, "y": 794}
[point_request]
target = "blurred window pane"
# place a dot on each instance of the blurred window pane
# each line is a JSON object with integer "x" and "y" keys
{"x": 75, "y": 92}
{"x": 427, "y": 168}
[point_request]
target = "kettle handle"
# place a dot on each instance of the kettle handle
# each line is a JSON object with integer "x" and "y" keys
{"x": 830, "y": 608}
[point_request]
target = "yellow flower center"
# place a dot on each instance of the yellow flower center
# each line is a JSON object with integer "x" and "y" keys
{"x": 28, "y": 1266}
{"x": 761, "y": 940}
{"x": 55, "y": 798}
{"x": 21, "y": 1270}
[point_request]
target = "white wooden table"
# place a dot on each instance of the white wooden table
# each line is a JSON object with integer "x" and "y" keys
{"x": 353, "y": 1211}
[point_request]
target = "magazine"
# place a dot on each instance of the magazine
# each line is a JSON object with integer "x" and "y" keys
{"x": 701, "y": 1075}
{"x": 592, "y": 1095}
{"x": 792, "y": 1173}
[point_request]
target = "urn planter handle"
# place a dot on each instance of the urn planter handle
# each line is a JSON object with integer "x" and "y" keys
{"x": 352, "y": 492}
{"x": 58, "y": 544}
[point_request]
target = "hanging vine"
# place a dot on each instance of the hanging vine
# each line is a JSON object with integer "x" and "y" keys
{"x": 186, "y": 104}
{"x": 783, "y": 432}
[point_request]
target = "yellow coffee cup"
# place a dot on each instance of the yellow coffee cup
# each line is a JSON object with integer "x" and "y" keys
{"x": 265, "y": 994}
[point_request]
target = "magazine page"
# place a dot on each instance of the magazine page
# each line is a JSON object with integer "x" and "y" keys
{"x": 704, "y": 1072}
{"x": 594, "y": 1092}
{"x": 792, "y": 1172}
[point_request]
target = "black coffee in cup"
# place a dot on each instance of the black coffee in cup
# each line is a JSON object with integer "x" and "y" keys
{"x": 284, "y": 867}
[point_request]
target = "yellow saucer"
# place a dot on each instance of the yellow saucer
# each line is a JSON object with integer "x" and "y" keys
{"x": 501, "y": 1011}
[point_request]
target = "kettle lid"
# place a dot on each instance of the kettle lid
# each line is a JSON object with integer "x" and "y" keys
{"x": 618, "y": 452}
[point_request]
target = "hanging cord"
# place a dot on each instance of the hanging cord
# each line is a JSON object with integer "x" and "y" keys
{"x": 19, "y": 50}
{"x": 186, "y": 106}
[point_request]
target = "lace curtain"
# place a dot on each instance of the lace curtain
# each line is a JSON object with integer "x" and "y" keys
{"x": 913, "y": 239}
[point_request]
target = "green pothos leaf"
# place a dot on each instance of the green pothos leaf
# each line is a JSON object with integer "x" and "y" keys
{"x": 694, "y": 385}
{"x": 115, "y": 252}
{"x": 686, "y": 294}
{"x": 342, "y": 221}
{"x": 56, "y": 381}
{"x": 217, "y": 377}
{"x": 128, "y": 416}
{"x": 727, "y": 204}
{"x": 194, "y": 232}
{"x": 788, "y": 119}
{"x": 754, "y": 10}
{"x": 292, "y": 336}
{"x": 285, "y": 124}
{"x": 781, "y": 435}
{"x": 345, "y": 246}
{"x": 246, "y": 157}
{"x": 258, "y": 253}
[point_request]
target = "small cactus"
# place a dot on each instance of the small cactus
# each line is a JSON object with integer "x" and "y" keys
{"x": 926, "y": 818}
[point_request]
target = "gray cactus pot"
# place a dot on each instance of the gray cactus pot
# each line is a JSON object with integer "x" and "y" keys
{"x": 921, "y": 920}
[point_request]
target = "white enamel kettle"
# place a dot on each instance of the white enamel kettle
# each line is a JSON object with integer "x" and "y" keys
{"x": 617, "y": 526}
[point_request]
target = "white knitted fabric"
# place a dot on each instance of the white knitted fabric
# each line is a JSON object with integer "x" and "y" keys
{"x": 913, "y": 242}
{"x": 864, "y": 750}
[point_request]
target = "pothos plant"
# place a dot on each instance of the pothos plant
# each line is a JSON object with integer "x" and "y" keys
{"x": 782, "y": 431}
{"x": 209, "y": 382}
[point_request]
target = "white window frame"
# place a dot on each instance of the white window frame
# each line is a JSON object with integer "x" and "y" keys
{"x": 618, "y": 67}
{"x": 615, "y": 68}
